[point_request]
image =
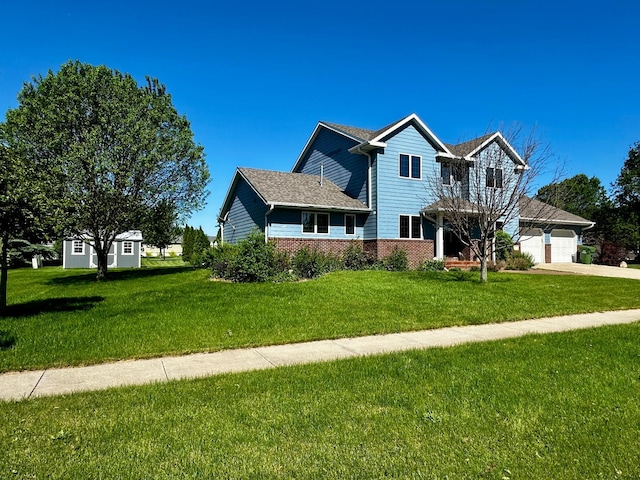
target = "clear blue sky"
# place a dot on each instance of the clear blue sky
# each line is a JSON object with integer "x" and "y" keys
{"x": 254, "y": 78}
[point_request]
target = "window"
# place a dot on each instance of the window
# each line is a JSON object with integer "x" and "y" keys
{"x": 127, "y": 247}
{"x": 494, "y": 177}
{"x": 445, "y": 173}
{"x": 410, "y": 166}
{"x": 78, "y": 247}
{"x": 410, "y": 226}
{"x": 349, "y": 224}
{"x": 315, "y": 222}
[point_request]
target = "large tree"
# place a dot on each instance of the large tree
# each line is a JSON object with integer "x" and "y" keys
{"x": 627, "y": 201}
{"x": 579, "y": 195}
{"x": 479, "y": 190}
{"x": 22, "y": 208}
{"x": 115, "y": 150}
{"x": 160, "y": 227}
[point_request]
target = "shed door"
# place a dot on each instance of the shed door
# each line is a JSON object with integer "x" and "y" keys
{"x": 532, "y": 242}
{"x": 564, "y": 245}
{"x": 111, "y": 257}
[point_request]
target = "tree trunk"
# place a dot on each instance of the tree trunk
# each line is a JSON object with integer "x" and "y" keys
{"x": 3, "y": 273}
{"x": 484, "y": 254}
{"x": 103, "y": 258}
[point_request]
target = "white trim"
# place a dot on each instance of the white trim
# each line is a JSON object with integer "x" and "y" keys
{"x": 123, "y": 242}
{"x": 347, "y": 234}
{"x": 410, "y": 237}
{"x": 498, "y": 136}
{"x": 315, "y": 222}
{"x": 73, "y": 247}
{"x": 411, "y": 157}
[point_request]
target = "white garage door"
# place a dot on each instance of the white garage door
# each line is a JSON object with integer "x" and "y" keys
{"x": 564, "y": 245}
{"x": 532, "y": 242}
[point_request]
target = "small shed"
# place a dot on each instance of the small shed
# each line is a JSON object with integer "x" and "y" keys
{"x": 125, "y": 251}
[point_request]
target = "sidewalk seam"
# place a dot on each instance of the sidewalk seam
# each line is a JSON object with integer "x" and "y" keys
{"x": 36, "y": 385}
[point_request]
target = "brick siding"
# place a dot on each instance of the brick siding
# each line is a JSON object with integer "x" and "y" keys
{"x": 417, "y": 250}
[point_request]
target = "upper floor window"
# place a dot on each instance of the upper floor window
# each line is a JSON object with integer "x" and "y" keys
{"x": 494, "y": 177}
{"x": 410, "y": 226}
{"x": 350, "y": 224}
{"x": 78, "y": 247}
{"x": 127, "y": 247}
{"x": 452, "y": 172}
{"x": 315, "y": 222}
{"x": 410, "y": 166}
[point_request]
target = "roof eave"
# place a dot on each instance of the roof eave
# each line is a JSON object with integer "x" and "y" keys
{"x": 365, "y": 147}
{"x": 556, "y": 221}
{"x": 320, "y": 207}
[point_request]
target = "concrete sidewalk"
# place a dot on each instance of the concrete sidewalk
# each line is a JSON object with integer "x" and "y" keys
{"x": 57, "y": 381}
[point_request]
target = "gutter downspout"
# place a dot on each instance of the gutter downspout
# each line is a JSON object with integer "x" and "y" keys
{"x": 266, "y": 222}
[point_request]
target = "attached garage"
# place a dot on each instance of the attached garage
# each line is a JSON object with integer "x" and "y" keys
{"x": 564, "y": 245}
{"x": 532, "y": 242}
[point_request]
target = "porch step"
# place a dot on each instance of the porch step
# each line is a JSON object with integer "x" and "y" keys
{"x": 461, "y": 264}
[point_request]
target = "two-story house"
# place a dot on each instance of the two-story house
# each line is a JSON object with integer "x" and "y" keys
{"x": 373, "y": 187}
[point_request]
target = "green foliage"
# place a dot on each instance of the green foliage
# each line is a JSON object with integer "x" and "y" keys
{"x": 111, "y": 151}
{"x": 579, "y": 195}
{"x": 255, "y": 260}
{"x": 21, "y": 252}
{"x": 220, "y": 258}
{"x": 200, "y": 246}
{"x": 188, "y": 238}
{"x": 504, "y": 245}
{"x": 397, "y": 260}
{"x": 310, "y": 263}
{"x": 355, "y": 258}
{"x": 519, "y": 261}
{"x": 159, "y": 226}
{"x": 627, "y": 186}
{"x": 432, "y": 266}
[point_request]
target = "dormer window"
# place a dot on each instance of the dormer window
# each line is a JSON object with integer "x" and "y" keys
{"x": 410, "y": 166}
{"x": 494, "y": 177}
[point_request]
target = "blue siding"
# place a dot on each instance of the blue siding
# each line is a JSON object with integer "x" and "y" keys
{"x": 346, "y": 170}
{"x": 396, "y": 195}
{"x": 246, "y": 213}
{"x": 285, "y": 223}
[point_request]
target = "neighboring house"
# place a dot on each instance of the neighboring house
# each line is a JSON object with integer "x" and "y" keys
{"x": 371, "y": 187}
{"x": 174, "y": 249}
{"x": 125, "y": 252}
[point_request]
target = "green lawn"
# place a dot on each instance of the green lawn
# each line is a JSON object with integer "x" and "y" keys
{"x": 60, "y": 317}
{"x": 559, "y": 406}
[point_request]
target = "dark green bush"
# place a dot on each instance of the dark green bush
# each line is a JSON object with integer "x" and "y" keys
{"x": 397, "y": 260}
{"x": 308, "y": 263}
{"x": 355, "y": 258}
{"x": 220, "y": 258}
{"x": 255, "y": 260}
{"x": 519, "y": 261}
{"x": 503, "y": 245}
{"x": 432, "y": 266}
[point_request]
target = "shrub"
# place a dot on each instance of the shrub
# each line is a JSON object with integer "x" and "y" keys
{"x": 355, "y": 258}
{"x": 503, "y": 245}
{"x": 611, "y": 253}
{"x": 432, "y": 266}
{"x": 397, "y": 260}
{"x": 220, "y": 258}
{"x": 255, "y": 260}
{"x": 519, "y": 261}
{"x": 496, "y": 266}
{"x": 308, "y": 263}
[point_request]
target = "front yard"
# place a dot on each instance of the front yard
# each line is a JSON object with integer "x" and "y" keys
{"x": 539, "y": 407}
{"x": 60, "y": 317}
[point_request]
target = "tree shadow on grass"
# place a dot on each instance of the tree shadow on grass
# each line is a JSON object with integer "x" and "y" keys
{"x": 64, "y": 304}
{"x": 7, "y": 340}
{"x": 118, "y": 275}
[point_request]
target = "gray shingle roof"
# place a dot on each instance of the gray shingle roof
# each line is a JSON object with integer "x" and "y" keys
{"x": 300, "y": 190}
{"x": 361, "y": 134}
{"x": 465, "y": 148}
{"x": 540, "y": 212}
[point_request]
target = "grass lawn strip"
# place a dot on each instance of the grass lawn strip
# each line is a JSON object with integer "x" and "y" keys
{"x": 560, "y": 405}
{"x": 61, "y": 318}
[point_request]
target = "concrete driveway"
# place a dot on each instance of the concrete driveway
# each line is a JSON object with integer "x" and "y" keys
{"x": 597, "y": 270}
